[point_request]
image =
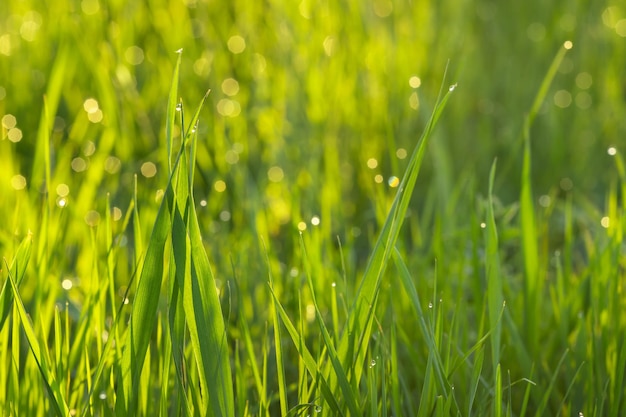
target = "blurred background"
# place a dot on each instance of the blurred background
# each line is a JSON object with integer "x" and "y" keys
{"x": 315, "y": 106}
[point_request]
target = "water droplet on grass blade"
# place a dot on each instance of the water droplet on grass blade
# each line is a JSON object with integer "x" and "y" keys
{"x": 452, "y": 87}
{"x": 372, "y": 363}
{"x": 318, "y": 408}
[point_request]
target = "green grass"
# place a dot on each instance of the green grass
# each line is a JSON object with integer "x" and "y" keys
{"x": 332, "y": 229}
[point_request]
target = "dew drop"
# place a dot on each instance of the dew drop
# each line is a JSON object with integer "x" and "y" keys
{"x": 179, "y": 106}
{"x": 452, "y": 87}
{"x": 372, "y": 363}
{"x": 612, "y": 151}
{"x": 430, "y": 305}
{"x": 318, "y": 408}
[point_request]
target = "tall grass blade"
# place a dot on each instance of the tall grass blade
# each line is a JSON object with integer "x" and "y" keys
{"x": 527, "y": 216}
{"x": 495, "y": 298}
{"x": 352, "y": 350}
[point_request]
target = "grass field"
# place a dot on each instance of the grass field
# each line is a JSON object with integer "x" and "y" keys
{"x": 381, "y": 208}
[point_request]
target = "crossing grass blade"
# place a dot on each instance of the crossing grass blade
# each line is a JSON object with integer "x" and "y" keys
{"x": 352, "y": 350}
{"x": 53, "y": 387}
{"x": 17, "y": 270}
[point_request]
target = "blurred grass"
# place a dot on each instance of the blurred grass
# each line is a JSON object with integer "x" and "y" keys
{"x": 315, "y": 108}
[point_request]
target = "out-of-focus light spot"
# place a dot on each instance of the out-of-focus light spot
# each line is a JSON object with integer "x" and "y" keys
{"x": 315, "y": 221}
{"x": 3, "y": 93}
{"x": 91, "y": 105}
{"x": 383, "y": 8}
{"x": 9, "y": 121}
{"x": 329, "y": 45}
{"x": 61, "y": 202}
{"x": 566, "y": 184}
{"x": 378, "y": 179}
{"x": 228, "y": 107}
{"x": 302, "y": 226}
{"x": 112, "y": 164}
{"x": 393, "y": 181}
{"x": 92, "y": 218}
{"x": 148, "y": 169}
{"x": 63, "y": 190}
{"x": 231, "y": 157}
{"x": 609, "y": 16}
{"x": 18, "y": 182}
{"x": 620, "y": 28}
{"x": 236, "y": 44}
{"x": 536, "y": 32}
{"x": 612, "y": 151}
{"x": 583, "y": 100}
{"x": 605, "y": 222}
{"x": 15, "y": 135}
{"x": 90, "y": 7}
{"x": 415, "y": 81}
{"x": 275, "y": 174}
{"x": 305, "y": 9}
{"x": 401, "y": 153}
{"x": 414, "y": 101}
{"x": 584, "y": 80}
{"x": 562, "y": 98}
{"x": 78, "y": 164}
{"x": 202, "y": 67}
{"x": 203, "y": 203}
{"x": 89, "y": 148}
{"x": 116, "y": 214}
{"x": 30, "y": 26}
{"x": 310, "y": 313}
{"x": 372, "y": 163}
{"x": 225, "y": 215}
{"x": 545, "y": 201}
{"x": 95, "y": 117}
{"x": 259, "y": 64}
{"x": 230, "y": 86}
{"x": 94, "y": 114}
{"x": 67, "y": 284}
{"x": 220, "y": 186}
{"x": 158, "y": 196}
{"x": 568, "y": 45}
{"x": 5, "y": 45}
{"x": 134, "y": 55}
{"x": 483, "y": 225}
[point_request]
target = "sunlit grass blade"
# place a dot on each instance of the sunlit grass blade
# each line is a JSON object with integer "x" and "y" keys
{"x": 349, "y": 395}
{"x": 307, "y": 357}
{"x": 17, "y": 270}
{"x": 359, "y": 327}
{"x": 51, "y": 383}
{"x": 170, "y": 120}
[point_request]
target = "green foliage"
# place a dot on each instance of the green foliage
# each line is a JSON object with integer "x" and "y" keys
{"x": 278, "y": 253}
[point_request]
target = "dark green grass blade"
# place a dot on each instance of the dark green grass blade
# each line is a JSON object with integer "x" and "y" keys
{"x": 495, "y": 298}
{"x": 143, "y": 315}
{"x": 353, "y": 348}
